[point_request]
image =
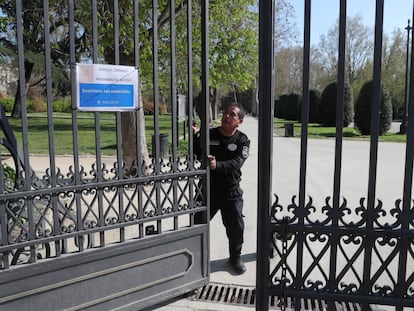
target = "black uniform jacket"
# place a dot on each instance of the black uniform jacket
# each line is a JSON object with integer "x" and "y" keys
{"x": 231, "y": 153}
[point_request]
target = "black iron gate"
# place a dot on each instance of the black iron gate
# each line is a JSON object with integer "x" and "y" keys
{"x": 103, "y": 230}
{"x": 335, "y": 252}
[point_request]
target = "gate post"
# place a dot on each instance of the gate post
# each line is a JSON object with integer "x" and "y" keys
{"x": 266, "y": 99}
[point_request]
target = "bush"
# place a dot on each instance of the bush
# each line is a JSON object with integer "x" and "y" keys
{"x": 38, "y": 105}
{"x": 288, "y": 107}
{"x": 281, "y": 107}
{"x": 9, "y": 177}
{"x": 314, "y": 103}
{"x": 62, "y": 105}
{"x": 7, "y": 103}
{"x": 328, "y": 105}
{"x": 294, "y": 107}
{"x": 148, "y": 105}
{"x": 363, "y": 110}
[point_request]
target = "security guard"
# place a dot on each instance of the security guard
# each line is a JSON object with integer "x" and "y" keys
{"x": 229, "y": 149}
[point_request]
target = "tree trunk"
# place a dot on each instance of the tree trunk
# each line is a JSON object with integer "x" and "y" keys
{"x": 213, "y": 104}
{"x": 129, "y": 139}
{"x": 17, "y": 108}
{"x": 199, "y": 104}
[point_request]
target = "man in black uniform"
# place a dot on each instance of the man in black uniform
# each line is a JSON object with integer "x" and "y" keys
{"x": 229, "y": 148}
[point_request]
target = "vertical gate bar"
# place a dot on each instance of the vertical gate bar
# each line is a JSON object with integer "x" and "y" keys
{"x": 190, "y": 81}
{"x": 373, "y": 161}
{"x": 156, "y": 152}
{"x": 120, "y": 189}
{"x": 138, "y": 114}
{"x": 304, "y": 142}
{"x": 305, "y": 104}
{"x": 204, "y": 129}
{"x": 156, "y": 109}
{"x": 340, "y": 104}
{"x": 98, "y": 158}
{"x": 190, "y": 103}
{"x": 265, "y": 151}
{"x": 26, "y": 160}
{"x": 96, "y": 114}
{"x": 174, "y": 117}
{"x": 78, "y": 194}
{"x": 94, "y": 11}
{"x": 3, "y": 221}
{"x": 406, "y": 217}
{"x": 52, "y": 159}
{"x": 339, "y": 114}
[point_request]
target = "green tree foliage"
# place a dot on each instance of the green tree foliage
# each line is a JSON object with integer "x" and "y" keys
{"x": 328, "y": 104}
{"x": 363, "y": 110}
{"x": 33, "y": 40}
{"x": 233, "y": 44}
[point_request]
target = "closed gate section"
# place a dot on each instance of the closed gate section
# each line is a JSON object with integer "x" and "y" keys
{"x": 341, "y": 230}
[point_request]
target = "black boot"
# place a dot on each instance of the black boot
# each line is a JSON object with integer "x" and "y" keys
{"x": 237, "y": 265}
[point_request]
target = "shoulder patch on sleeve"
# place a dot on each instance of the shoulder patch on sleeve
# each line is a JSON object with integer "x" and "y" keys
{"x": 245, "y": 152}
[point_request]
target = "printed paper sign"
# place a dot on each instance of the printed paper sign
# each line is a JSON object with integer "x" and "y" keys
{"x": 106, "y": 87}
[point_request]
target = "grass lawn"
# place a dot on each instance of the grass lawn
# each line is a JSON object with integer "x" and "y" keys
{"x": 318, "y": 131}
{"x": 63, "y": 139}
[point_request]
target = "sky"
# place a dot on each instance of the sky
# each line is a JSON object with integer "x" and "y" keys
{"x": 324, "y": 14}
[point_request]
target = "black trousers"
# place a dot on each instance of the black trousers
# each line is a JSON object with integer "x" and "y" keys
{"x": 230, "y": 206}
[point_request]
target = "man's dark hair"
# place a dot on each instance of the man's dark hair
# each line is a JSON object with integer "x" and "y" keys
{"x": 242, "y": 112}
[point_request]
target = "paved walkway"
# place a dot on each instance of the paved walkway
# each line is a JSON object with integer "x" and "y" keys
{"x": 285, "y": 183}
{"x": 220, "y": 271}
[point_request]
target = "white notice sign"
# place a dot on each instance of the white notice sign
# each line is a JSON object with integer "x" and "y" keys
{"x": 106, "y": 87}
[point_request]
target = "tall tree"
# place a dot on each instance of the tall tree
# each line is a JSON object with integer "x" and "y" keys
{"x": 233, "y": 40}
{"x": 359, "y": 49}
{"x": 393, "y": 69}
{"x": 288, "y": 68}
{"x": 33, "y": 40}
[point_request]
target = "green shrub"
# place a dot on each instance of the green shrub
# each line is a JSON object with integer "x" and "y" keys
{"x": 314, "y": 102}
{"x": 7, "y": 103}
{"x": 38, "y": 105}
{"x": 328, "y": 105}
{"x": 288, "y": 107}
{"x": 62, "y": 105}
{"x": 9, "y": 177}
{"x": 281, "y": 106}
{"x": 363, "y": 110}
{"x": 294, "y": 107}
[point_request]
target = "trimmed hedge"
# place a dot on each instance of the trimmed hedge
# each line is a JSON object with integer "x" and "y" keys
{"x": 288, "y": 107}
{"x": 328, "y": 105}
{"x": 363, "y": 109}
{"x": 59, "y": 105}
{"x": 314, "y": 106}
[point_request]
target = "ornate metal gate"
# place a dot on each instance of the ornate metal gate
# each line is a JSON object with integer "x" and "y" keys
{"x": 337, "y": 253}
{"x": 96, "y": 232}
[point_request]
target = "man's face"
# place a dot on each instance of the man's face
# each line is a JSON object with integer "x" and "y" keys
{"x": 230, "y": 118}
